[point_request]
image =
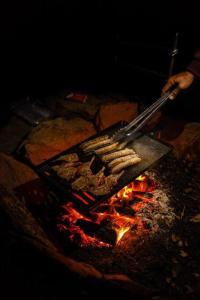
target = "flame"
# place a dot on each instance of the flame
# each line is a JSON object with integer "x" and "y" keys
{"x": 132, "y": 197}
{"x": 140, "y": 178}
{"x": 120, "y": 233}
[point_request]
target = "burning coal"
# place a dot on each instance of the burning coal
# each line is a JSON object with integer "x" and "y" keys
{"x": 116, "y": 217}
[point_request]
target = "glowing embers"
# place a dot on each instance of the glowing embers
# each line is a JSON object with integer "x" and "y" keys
{"x": 113, "y": 219}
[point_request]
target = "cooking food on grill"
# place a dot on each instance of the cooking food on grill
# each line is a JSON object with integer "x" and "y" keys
{"x": 71, "y": 157}
{"x": 96, "y": 179}
{"x": 94, "y": 141}
{"x": 81, "y": 183}
{"x": 125, "y": 164}
{"x": 70, "y": 170}
{"x": 66, "y": 173}
{"x": 97, "y": 184}
{"x": 122, "y": 146}
{"x": 117, "y": 154}
{"x": 119, "y": 160}
{"x": 106, "y": 149}
{"x": 71, "y": 164}
{"x": 97, "y": 145}
{"x": 85, "y": 168}
{"x": 106, "y": 187}
{"x": 112, "y": 179}
{"x": 100, "y": 191}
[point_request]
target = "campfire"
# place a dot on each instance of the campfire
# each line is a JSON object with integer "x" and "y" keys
{"x": 146, "y": 230}
{"x": 121, "y": 213}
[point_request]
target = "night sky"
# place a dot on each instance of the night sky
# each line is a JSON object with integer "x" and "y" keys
{"x": 91, "y": 44}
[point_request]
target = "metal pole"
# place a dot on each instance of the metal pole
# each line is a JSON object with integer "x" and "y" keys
{"x": 173, "y": 54}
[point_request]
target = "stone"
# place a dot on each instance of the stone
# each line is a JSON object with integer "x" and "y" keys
{"x": 52, "y": 137}
{"x": 14, "y": 173}
{"x": 187, "y": 144}
{"x": 22, "y": 180}
{"x": 111, "y": 113}
{"x": 193, "y": 153}
{"x": 12, "y": 133}
{"x": 68, "y": 108}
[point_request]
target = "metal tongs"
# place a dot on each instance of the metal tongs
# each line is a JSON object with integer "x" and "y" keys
{"x": 132, "y": 130}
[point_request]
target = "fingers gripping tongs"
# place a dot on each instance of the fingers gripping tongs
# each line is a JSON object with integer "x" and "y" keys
{"x": 132, "y": 130}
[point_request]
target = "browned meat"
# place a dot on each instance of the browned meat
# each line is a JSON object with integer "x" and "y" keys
{"x": 85, "y": 168}
{"x": 95, "y": 180}
{"x": 125, "y": 164}
{"x": 87, "y": 181}
{"x": 96, "y": 184}
{"x": 112, "y": 179}
{"x": 71, "y": 157}
{"x": 122, "y": 146}
{"x": 93, "y": 141}
{"x": 117, "y": 154}
{"x": 71, "y": 164}
{"x": 99, "y": 191}
{"x": 97, "y": 145}
{"x": 81, "y": 183}
{"x": 67, "y": 170}
{"x": 66, "y": 173}
{"x": 119, "y": 160}
{"x": 106, "y": 186}
{"x": 106, "y": 149}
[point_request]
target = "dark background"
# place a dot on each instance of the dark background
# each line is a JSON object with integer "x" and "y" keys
{"x": 98, "y": 46}
{"x": 120, "y": 46}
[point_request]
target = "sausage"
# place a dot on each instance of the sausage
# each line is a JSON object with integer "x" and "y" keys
{"x": 106, "y": 149}
{"x": 94, "y": 141}
{"x": 121, "y": 159}
{"x": 97, "y": 144}
{"x": 117, "y": 154}
{"x": 122, "y": 146}
{"x": 125, "y": 164}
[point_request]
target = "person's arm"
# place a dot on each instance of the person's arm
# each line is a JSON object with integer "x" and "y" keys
{"x": 184, "y": 79}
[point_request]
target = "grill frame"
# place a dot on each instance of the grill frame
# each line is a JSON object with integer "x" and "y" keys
{"x": 63, "y": 188}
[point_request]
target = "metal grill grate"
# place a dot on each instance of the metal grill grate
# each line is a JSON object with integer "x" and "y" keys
{"x": 149, "y": 149}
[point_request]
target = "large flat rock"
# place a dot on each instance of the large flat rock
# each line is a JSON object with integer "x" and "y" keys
{"x": 14, "y": 173}
{"x": 55, "y": 136}
{"x": 187, "y": 144}
{"x": 111, "y": 113}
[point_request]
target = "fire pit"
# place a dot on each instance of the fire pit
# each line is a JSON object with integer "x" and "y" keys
{"x": 157, "y": 242}
{"x": 102, "y": 221}
{"x": 135, "y": 214}
{"x": 143, "y": 236}
{"x": 132, "y": 209}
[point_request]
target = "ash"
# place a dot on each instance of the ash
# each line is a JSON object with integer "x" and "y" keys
{"x": 165, "y": 257}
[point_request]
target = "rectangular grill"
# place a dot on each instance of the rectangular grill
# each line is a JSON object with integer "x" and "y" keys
{"x": 149, "y": 149}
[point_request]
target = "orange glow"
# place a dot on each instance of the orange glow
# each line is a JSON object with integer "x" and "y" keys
{"x": 140, "y": 178}
{"x": 132, "y": 197}
{"x": 120, "y": 233}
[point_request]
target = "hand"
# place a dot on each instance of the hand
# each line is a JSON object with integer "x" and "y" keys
{"x": 183, "y": 80}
